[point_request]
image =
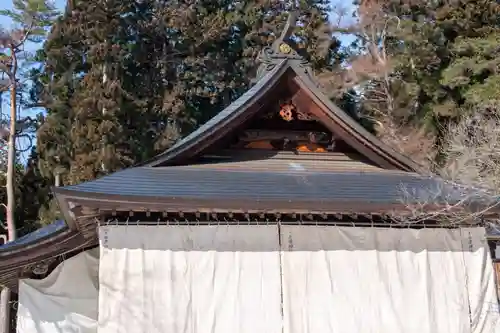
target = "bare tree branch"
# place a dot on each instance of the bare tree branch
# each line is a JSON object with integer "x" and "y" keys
{"x": 467, "y": 186}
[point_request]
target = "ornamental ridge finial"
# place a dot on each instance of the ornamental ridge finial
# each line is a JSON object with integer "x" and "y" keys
{"x": 290, "y": 26}
{"x": 283, "y": 48}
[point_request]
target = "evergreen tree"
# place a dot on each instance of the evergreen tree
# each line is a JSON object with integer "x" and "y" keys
{"x": 420, "y": 66}
{"x": 123, "y": 80}
{"x": 447, "y": 55}
{"x": 31, "y": 18}
{"x": 472, "y": 78}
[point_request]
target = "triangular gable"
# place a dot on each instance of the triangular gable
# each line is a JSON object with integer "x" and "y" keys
{"x": 282, "y": 63}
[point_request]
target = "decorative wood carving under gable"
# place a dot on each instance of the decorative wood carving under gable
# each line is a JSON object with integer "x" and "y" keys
{"x": 306, "y": 141}
{"x": 288, "y": 124}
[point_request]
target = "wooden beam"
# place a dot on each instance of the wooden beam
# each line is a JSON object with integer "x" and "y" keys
{"x": 5, "y": 310}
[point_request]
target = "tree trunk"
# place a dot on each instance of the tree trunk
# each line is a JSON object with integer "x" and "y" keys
{"x": 11, "y": 203}
{"x": 11, "y": 163}
{"x": 104, "y": 111}
{"x": 5, "y": 310}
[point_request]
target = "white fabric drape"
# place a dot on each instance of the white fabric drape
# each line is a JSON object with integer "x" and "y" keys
{"x": 63, "y": 302}
{"x": 182, "y": 279}
{"x": 481, "y": 288}
{"x": 218, "y": 279}
{"x": 346, "y": 280}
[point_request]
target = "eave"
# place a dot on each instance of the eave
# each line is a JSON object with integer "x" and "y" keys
{"x": 16, "y": 259}
{"x": 283, "y": 183}
{"x": 106, "y": 202}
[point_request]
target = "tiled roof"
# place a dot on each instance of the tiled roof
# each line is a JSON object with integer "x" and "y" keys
{"x": 44, "y": 232}
{"x": 273, "y": 180}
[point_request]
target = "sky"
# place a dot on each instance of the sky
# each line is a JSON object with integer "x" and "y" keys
{"x": 6, "y": 23}
{"x": 7, "y": 4}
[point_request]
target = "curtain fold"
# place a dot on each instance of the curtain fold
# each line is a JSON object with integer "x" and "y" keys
{"x": 182, "y": 279}
{"x": 304, "y": 279}
{"x": 341, "y": 279}
{"x": 481, "y": 288}
{"x": 65, "y": 301}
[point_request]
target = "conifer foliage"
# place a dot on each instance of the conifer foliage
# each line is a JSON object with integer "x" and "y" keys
{"x": 420, "y": 66}
{"x": 122, "y": 80}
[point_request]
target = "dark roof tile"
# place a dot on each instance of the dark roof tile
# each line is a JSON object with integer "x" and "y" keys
{"x": 42, "y": 233}
{"x": 293, "y": 180}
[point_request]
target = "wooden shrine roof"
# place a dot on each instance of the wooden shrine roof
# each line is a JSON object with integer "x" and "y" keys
{"x": 248, "y": 104}
{"x": 183, "y": 180}
{"x": 285, "y": 182}
{"x": 174, "y": 178}
{"x": 20, "y": 257}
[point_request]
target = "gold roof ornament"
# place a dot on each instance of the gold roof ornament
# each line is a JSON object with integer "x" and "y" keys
{"x": 285, "y": 48}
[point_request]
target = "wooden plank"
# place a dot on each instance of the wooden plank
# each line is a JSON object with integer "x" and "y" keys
{"x": 5, "y": 310}
{"x": 496, "y": 266}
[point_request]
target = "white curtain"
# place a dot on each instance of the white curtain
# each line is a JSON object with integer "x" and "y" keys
{"x": 63, "y": 302}
{"x": 182, "y": 279}
{"x": 481, "y": 288}
{"x": 242, "y": 279}
{"x": 346, "y": 280}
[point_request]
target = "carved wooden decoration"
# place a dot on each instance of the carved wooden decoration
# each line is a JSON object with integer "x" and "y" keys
{"x": 267, "y": 135}
{"x": 38, "y": 269}
{"x": 261, "y": 144}
{"x": 285, "y": 48}
{"x": 286, "y": 111}
{"x": 304, "y": 141}
{"x": 289, "y": 109}
{"x": 311, "y": 148}
{"x": 305, "y": 116}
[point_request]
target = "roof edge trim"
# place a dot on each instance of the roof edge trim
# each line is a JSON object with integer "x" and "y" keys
{"x": 154, "y": 203}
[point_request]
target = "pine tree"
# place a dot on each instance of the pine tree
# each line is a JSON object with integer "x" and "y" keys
{"x": 168, "y": 66}
{"x": 422, "y": 65}
{"x": 472, "y": 77}
{"x": 450, "y": 64}
{"x": 31, "y": 18}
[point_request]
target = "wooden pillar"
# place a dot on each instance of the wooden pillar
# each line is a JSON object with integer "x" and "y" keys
{"x": 5, "y": 310}
{"x": 5, "y": 292}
